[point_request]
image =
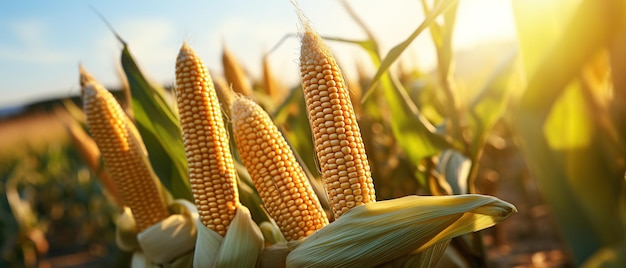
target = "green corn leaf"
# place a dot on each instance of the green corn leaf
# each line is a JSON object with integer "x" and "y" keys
{"x": 291, "y": 118}
{"x": 491, "y": 102}
{"x": 415, "y": 134}
{"x": 159, "y": 127}
{"x": 572, "y": 156}
{"x": 488, "y": 107}
{"x": 396, "y": 51}
{"x": 611, "y": 256}
{"x": 249, "y": 196}
{"x": 617, "y": 52}
{"x": 454, "y": 167}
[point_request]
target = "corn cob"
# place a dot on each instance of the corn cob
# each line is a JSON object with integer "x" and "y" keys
{"x": 224, "y": 95}
{"x": 123, "y": 153}
{"x": 89, "y": 152}
{"x": 273, "y": 87}
{"x": 337, "y": 138}
{"x": 234, "y": 73}
{"x": 276, "y": 174}
{"x": 212, "y": 172}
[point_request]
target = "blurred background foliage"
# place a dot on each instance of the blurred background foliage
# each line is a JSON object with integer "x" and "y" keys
{"x": 549, "y": 108}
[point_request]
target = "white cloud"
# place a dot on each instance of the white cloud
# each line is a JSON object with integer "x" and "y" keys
{"x": 30, "y": 31}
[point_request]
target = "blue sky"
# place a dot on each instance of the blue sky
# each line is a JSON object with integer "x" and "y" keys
{"x": 42, "y": 42}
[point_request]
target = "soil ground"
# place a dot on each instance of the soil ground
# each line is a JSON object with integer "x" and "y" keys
{"x": 529, "y": 238}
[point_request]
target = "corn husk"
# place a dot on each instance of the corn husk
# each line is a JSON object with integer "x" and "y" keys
{"x": 139, "y": 260}
{"x": 241, "y": 247}
{"x": 426, "y": 258}
{"x": 183, "y": 261}
{"x": 274, "y": 256}
{"x": 126, "y": 231}
{"x": 271, "y": 233}
{"x": 171, "y": 238}
{"x": 377, "y": 233}
{"x": 452, "y": 257}
{"x": 168, "y": 243}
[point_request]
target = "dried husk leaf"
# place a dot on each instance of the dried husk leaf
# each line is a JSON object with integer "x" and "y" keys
{"x": 172, "y": 237}
{"x": 241, "y": 247}
{"x": 376, "y": 233}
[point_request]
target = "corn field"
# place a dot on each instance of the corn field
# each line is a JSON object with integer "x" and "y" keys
{"x": 397, "y": 168}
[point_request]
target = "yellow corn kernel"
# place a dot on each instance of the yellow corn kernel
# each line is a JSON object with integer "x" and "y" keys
{"x": 212, "y": 173}
{"x": 279, "y": 178}
{"x": 124, "y": 155}
{"x": 337, "y": 138}
{"x": 89, "y": 152}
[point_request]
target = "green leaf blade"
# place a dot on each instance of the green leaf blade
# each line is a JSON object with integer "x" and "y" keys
{"x": 159, "y": 128}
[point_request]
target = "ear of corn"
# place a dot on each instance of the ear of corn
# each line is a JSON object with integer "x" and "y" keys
{"x": 337, "y": 137}
{"x": 276, "y": 174}
{"x": 411, "y": 230}
{"x": 123, "y": 153}
{"x": 89, "y": 152}
{"x": 227, "y": 237}
{"x": 273, "y": 87}
{"x": 234, "y": 73}
{"x": 212, "y": 172}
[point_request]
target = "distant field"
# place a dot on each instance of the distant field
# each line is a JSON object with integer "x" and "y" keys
{"x": 30, "y": 131}
{"x": 37, "y": 132}
{"x": 52, "y": 210}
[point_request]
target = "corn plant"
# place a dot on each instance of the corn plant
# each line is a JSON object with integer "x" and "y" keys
{"x": 274, "y": 212}
{"x": 570, "y": 121}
